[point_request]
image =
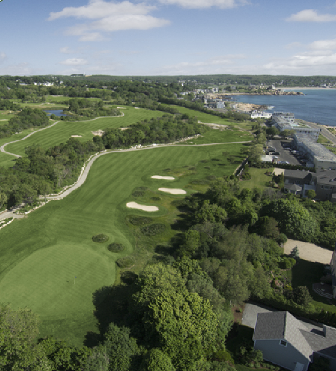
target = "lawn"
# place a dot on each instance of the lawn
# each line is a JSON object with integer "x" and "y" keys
{"x": 259, "y": 179}
{"x": 41, "y": 255}
{"x": 62, "y": 131}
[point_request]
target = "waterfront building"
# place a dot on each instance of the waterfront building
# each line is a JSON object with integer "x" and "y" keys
{"x": 286, "y": 121}
{"x": 316, "y": 152}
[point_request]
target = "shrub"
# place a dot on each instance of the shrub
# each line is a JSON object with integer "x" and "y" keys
{"x": 155, "y": 198}
{"x": 100, "y": 238}
{"x": 212, "y": 177}
{"x": 125, "y": 262}
{"x": 282, "y": 238}
{"x": 115, "y": 247}
{"x": 153, "y": 229}
{"x": 207, "y": 167}
{"x": 139, "y": 191}
{"x": 224, "y": 355}
{"x": 287, "y": 263}
{"x": 139, "y": 220}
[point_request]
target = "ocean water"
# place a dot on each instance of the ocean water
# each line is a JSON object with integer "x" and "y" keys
{"x": 315, "y": 106}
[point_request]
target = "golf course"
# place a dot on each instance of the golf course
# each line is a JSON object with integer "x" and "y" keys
{"x": 48, "y": 260}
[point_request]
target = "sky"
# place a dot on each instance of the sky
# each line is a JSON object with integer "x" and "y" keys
{"x": 168, "y": 37}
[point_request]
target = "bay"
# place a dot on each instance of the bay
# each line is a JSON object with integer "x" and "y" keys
{"x": 316, "y": 105}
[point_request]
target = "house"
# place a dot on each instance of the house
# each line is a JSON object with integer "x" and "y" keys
{"x": 290, "y": 343}
{"x": 323, "y": 182}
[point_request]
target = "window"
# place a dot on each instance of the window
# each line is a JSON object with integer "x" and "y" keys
{"x": 283, "y": 343}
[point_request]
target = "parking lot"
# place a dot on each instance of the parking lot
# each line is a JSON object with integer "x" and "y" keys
{"x": 284, "y": 155}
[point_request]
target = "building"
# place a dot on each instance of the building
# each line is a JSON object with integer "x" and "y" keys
{"x": 289, "y": 343}
{"x": 323, "y": 182}
{"x": 261, "y": 114}
{"x": 286, "y": 121}
{"x": 315, "y": 152}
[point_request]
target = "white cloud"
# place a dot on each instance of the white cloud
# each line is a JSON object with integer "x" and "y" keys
{"x": 3, "y": 57}
{"x": 323, "y": 45}
{"x": 74, "y": 62}
{"x": 202, "y": 4}
{"x": 318, "y": 57}
{"x": 109, "y": 17}
{"x": 66, "y": 50}
{"x": 311, "y": 15}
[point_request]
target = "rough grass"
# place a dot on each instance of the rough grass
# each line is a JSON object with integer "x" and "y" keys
{"x": 40, "y": 255}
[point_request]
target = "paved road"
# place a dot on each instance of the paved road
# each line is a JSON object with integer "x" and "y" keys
{"x": 10, "y": 214}
{"x": 325, "y": 132}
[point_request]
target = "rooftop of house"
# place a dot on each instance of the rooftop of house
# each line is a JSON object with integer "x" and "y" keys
{"x": 283, "y": 326}
{"x": 319, "y": 151}
{"x": 327, "y": 177}
{"x": 298, "y": 174}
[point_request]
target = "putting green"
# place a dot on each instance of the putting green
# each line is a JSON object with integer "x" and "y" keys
{"x": 45, "y": 281}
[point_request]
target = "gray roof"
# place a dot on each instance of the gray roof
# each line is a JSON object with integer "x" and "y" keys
{"x": 323, "y": 342}
{"x": 327, "y": 177}
{"x": 293, "y": 187}
{"x": 270, "y": 326}
{"x": 298, "y": 174}
{"x": 282, "y": 325}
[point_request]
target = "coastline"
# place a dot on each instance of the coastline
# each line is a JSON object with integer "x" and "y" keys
{"x": 307, "y": 88}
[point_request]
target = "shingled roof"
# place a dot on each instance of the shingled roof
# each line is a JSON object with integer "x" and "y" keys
{"x": 283, "y": 326}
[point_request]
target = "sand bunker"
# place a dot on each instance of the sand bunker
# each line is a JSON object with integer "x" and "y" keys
{"x": 134, "y": 205}
{"x": 121, "y": 107}
{"x": 162, "y": 177}
{"x": 173, "y": 191}
{"x": 76, "y": 136}
{"x": 99, "y": 132}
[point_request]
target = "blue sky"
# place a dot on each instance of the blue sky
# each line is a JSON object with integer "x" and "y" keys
{"x": 168, "y": 37}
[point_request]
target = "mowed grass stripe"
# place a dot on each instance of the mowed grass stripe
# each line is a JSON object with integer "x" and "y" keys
{"x": 40, "y": 253}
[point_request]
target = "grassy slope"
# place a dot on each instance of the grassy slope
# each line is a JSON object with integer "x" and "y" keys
{"x": 40, "y": 255}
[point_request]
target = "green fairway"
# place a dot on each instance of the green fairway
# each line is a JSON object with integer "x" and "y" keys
{"x": 40, "y": 255}
{"x": 62, "y": 131}
{"x": 204, "y": 117}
